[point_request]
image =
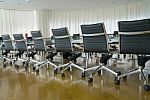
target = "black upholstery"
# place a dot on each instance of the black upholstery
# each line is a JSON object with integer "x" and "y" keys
{"x": 20, "y": 43}
{"x": 38, "y": 41}
{"x": 1, "y": 39}
{"x": 6, "y": 37}
{"x": 39, "y": 44}
{"x": 36, "y": 34}
{"x": 76, "y": 36}
{"x": 105, "y": 57}
{"x": 95, "y": 43}
{"x": 134, "y": 26}
{"x": 18, "y": 36}
{"x": 62, "y": 44}
{"x": 135, "y": 44}
{"x": 60, "y": 32}
{"x": 142, "y": 59}
{"x": 115, "y": 33}
{"x": 48, "y": 42}
{"x": 7, "y": 43}
{"x": 135, "y": 38}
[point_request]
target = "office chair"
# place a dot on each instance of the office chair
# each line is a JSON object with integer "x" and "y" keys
{"x": 39, "y": 46}
{"x": 76, "y": 36}
{"x": 115, "y": 34}
{"x": 21, "y": 47}
{"x": 1, "y": 40}
{"x": 135, "y": 39}
{"x": 6, "y": 48}
{"x": 63, "y": 45}
{"x": 1, "y": 47}
{"x": 94, "y": 40}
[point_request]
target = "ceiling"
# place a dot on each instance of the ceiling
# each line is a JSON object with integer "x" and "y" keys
{"x": 60, "y": 4}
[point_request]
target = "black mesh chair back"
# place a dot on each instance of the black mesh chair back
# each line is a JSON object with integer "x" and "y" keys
{"x": 39, "y": 44}
{"x": 76, "y": 36}
{"x": 48, "y": 42}
{"x": 20, "y": 43}
{"x": 6, "y": 37}
{"x": 8, "y": 46}
{"x": 62, "y": 40}
{"x": 134, "y": 36}
{"x": 38, "y": 41}
{"x": 94, "y": 38}
{"x": 115, "y": 33}
{"x": 1, "y": 41}
{"x": 36, "y": 34}
{"x": 18, "y": 36}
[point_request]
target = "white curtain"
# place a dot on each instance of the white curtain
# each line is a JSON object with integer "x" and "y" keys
{"x": 6, "y": 21}
{"x": 24, "y": 21}
{"x": 109, "y": 15}
{"x": 43, "y": 20}
{"x": 16, "y": 21}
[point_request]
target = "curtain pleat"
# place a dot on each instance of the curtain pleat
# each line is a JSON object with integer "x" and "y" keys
{"x": 16, "y": 21}
{"x": 109, "y": 15}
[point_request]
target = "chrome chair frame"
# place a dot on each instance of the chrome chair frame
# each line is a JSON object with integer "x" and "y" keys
{"x": 135, "y": 35}
{"x": 63, "y": 44}
{"x": 94, "y": 40}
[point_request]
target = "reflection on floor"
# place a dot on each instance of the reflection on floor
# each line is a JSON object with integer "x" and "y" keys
{"x": 28, "y": 86}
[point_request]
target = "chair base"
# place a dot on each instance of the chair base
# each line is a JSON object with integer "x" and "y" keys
{"x": 99, "y": 70}
{"x": 39, "y": 65}
{"x": 5, "y": 59}
{"x": 69, "y": 65}
{"x": 141, "y": 74}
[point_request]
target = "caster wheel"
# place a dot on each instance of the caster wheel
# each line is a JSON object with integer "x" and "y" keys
{"x": 23, "y": 63}
{"x": 63, "y": 75}
{"x": 83, "y": 75}
{"x": 10, "y": 63}
{"x": 146, "y": 87}
{"x": 17, "y": 66}
{"x": 34, "y": 68}
{"x": 27, "y": 64}
{"x": 55, "y": 71}
{"x": 4, "y": 60}
{"x": 37, "y": 71}
{"x": 99, "y": 72}
{"x": 90, "y": 80}
{"x": 4, "y": 66}
{"x": 26, "y": 68}
{"x": 125, "y": 78}
{"x": 117, "y": 81}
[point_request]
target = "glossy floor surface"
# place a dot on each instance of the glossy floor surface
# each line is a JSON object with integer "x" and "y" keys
{"x": 23, "y": 85}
